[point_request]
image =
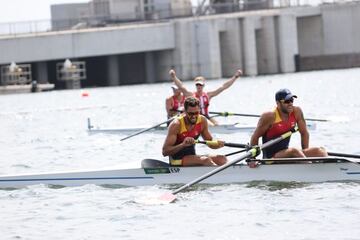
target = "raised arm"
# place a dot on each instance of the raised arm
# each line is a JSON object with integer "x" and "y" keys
{"x": 226, "y": 85}
{"x": 304, "y": 133}
{"x": 179, "y": 84}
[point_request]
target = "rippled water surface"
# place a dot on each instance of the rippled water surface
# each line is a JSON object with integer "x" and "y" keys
{"x": 47, "y": 132}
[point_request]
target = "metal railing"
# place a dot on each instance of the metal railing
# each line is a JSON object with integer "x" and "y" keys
{"x": 13, "y": 29}
{"x": 21, "y": 74}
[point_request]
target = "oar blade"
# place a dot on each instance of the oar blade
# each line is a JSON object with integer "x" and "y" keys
{"x": 167, "y": 198}
{"x": 163, "y": 199}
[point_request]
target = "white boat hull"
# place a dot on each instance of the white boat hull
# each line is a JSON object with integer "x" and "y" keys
{"x": 220, "y": 129}
{"x": 337, "y": 170}
{"x": 228, "y": 128}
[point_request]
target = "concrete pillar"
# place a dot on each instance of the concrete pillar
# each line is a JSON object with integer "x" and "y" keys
{"x": 230, "y": 47}
{"x": 73, "y": 84}
{"x": 150, "y": 67}
{"x": 164, "y": 62}
{"x": 182, "y": 57}
{"x": 206, "y": 45}
{"x": 267, "y": 56}
{"x": 288, "y": 42}
{"x": 249, "y": 40}
{"x": 41, "y": 75}
{"x": 113, "y": 70}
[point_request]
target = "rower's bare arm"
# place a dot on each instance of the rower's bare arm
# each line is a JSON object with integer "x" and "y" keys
{"x": 264, "y": 123}
{"x": 168, "y": 105}
{"x": 226, "y": 85}
{"x": 178, "y": 83}
{"x": 301, "y": 123}
{"x": 169, "y": 147}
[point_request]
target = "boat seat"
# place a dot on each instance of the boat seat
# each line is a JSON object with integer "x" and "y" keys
{"x": 153, "y": 163}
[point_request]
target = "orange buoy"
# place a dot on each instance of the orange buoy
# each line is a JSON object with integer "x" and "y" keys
{"x": 85, "y": 94}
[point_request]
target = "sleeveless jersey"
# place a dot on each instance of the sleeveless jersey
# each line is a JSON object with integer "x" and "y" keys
{"x": 204, "y": 103}
{"x": 178, "y": 105}
{"x": 183, "y": 133}
{"x": 277, "y": 128}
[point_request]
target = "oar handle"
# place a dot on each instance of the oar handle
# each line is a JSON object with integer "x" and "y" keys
{"x": 215, "y": 142}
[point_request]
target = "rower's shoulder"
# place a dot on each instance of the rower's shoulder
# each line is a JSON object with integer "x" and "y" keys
{"x": 175, "y": 122}
{"x": 203, "y": 120}
{"x": 174, "y": 127}
{"x": 298, "y": 113}
{"x": 297, "y": 109}
{"x": 268, "y": 115}
{"x": 169, "y": 98}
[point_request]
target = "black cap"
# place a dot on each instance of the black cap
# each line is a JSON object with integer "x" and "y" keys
{"x": 284, "y": 94}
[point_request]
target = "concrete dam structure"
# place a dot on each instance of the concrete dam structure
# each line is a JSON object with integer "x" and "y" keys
{"x": 259, "y": 42}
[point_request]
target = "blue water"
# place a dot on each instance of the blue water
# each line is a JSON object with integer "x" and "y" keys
{"x": 47, "y": 132}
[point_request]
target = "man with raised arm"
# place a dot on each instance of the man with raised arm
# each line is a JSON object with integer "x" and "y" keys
{"x": 204, "y": 97}
{"x": 180, "y": 141}
{"x": 283, "y": 118}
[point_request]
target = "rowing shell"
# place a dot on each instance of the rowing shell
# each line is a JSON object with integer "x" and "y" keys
{"x": 154, "y": 172}
{"x": 219, "y": 129}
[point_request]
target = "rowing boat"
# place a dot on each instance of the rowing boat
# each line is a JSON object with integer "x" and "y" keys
{"x": 154, "y": 172}
{"x": 223, "y": 128}
{"x": 219, "y": 129}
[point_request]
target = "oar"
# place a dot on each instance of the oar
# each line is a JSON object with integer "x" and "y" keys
{"x": 253, "y": 152}
{"x": 343, "y": 155}
{"x": 233, "y": 153}
{"x": 226, "y": 114}
{"x": 215, "y": 142}
{"x": 147, "y": 129}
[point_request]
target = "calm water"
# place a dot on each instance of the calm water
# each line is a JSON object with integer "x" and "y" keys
{"x": 47, "y": 132}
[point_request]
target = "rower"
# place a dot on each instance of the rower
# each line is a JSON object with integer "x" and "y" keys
{"x": 204, "y": 97}
{"x": 175, "y": 103}
{"x": 182, "y": 133}
{"x": 283, "y": 118}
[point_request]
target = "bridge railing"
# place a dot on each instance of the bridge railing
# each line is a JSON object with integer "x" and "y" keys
{"x": 13, "y": 29}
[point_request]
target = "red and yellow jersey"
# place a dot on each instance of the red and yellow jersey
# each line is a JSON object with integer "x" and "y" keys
{"x": 279, "y": 127}
{"x": 195, "y": 132}
{"x": 204, "y": 103}
{"x": 183, "y": 133}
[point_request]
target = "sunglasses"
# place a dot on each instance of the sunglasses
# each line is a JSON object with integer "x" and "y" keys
{"x": 192, "y": 113}
{"x": 199, "y": 85}
{"x": 287, "y": 101}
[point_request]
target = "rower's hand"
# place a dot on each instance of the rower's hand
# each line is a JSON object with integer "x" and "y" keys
{"x": 221, "y": 143}
{"x": 188, "y": 141}
{"x": 172, "y": 73}
{"x": 257, "y": 151}
{"x": 216, "y": 144}
{"x": 238, "y": 73}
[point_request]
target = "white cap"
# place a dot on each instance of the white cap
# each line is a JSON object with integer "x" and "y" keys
{"x": 174, "y": 87}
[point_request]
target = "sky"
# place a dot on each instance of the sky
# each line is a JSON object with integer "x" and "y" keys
{"x": 30, "y": 10}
